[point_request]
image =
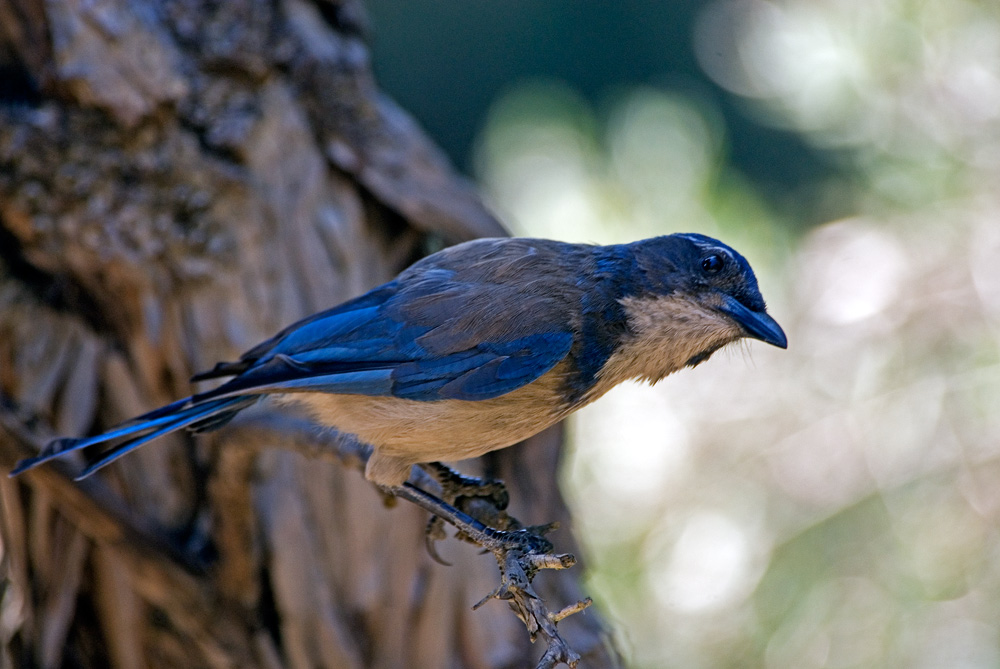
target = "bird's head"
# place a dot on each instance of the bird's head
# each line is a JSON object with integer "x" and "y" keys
{"x": 692, "y": 296}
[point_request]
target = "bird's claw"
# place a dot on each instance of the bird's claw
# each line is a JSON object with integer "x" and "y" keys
{"x": 455, "y": 486}
{"x": 432, "y": 535}
{"x": 484, "y": 499}
{"x": 528, "y": 541}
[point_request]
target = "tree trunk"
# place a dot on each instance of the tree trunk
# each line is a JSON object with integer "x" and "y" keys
{"x": 178, "y": 181}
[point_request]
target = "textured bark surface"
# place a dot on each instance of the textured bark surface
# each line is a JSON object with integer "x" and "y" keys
{"x": 178, "y": 180}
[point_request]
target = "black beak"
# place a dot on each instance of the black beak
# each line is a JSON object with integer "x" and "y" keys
{"x": 756, "y": 324}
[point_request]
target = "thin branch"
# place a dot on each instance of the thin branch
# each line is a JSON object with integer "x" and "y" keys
{"x": 517, "y": 570}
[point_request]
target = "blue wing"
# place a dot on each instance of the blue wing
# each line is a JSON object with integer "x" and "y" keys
{"x": 435, "y": 338}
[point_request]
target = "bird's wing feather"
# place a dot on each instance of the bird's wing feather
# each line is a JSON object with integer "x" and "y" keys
{"x": 432, "y": 334}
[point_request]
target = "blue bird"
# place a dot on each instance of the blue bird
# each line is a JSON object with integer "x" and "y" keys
{"x": 478, "y": 347}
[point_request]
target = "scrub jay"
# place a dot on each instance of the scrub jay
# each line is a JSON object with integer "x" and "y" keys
{"x": 477, "y": 347}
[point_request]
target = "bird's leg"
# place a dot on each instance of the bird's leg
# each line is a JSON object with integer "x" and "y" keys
{"x": 485, "y": 499}
{"x": 522, "y": 540}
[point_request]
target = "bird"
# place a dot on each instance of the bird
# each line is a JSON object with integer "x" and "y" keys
{"x": 477, "y": 347}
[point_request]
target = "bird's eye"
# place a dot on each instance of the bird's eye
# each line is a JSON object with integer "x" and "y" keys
{"x": 712, "y": 264}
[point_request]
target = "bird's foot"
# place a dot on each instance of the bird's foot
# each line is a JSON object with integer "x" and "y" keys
{"x": 520, "y": 553}
{"x": 483, "y": 499}
{"x": 523, "y": 540}
{"x": 526, "y": 541}
{"x": 455, "y": 486}
{"x": 511, "y": 536}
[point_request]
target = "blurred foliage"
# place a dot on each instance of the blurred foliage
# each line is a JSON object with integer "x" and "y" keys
{"x": 836, "y": 504}
{"x": 448, "y": 62}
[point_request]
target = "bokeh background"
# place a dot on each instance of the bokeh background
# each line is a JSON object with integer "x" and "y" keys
{"x": 833, "y": 505}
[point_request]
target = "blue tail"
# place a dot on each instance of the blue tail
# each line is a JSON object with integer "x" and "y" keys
{"x": 195, "y": 415}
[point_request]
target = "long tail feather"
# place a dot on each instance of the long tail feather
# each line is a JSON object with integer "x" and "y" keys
{"x": 154, "y": 424}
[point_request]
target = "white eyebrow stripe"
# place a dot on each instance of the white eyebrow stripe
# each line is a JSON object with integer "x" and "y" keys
{"x": 709, "y": 247}
{"x": 727, "y": 252}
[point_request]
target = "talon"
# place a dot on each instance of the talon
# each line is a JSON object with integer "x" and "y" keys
{"x": 455, "y": 485}
{"x": 499, "y": 495}
{"x": 433, "y": 534}
{"x": 431, "y": 544}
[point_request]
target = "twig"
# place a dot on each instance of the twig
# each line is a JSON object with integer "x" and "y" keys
{"x": 517, "y": 570}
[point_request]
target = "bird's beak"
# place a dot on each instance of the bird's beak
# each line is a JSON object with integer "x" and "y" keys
{"x": 756, "y": 324}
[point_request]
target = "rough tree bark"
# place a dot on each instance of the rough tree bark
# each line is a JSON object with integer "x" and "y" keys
{"x": 178, "y": 180}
